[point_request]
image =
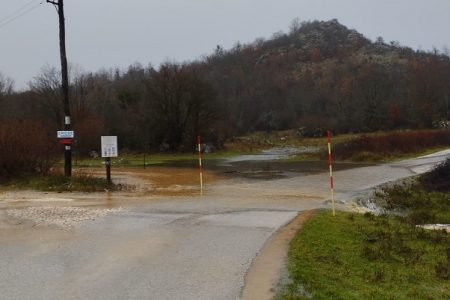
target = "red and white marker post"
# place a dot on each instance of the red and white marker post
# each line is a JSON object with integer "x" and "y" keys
{"x": 330, "y": 163}
{"x": 200, "y": 168}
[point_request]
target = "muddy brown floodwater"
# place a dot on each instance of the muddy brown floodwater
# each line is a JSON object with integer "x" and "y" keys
{"x": 159, "y": 180}
{"x": 141, "y": 186}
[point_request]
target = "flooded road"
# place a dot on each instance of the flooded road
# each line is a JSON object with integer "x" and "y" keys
{"x": 269, "y": 164}
{"x": 164, "y": 240}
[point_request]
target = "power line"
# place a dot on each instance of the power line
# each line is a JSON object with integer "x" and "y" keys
{"x": 18, "y": 13}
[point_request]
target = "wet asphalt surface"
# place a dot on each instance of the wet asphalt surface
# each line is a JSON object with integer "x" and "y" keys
{"x": 180, "y": 247}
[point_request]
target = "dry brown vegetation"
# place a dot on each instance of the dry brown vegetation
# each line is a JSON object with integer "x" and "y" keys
{"x": 27, "y": 148}
{"x": 385, "y": 145}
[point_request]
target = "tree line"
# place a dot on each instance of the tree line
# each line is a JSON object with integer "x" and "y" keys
{"x": 319, "y": 75}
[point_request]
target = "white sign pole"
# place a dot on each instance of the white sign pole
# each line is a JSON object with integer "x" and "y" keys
{"x": 109, "y": 149}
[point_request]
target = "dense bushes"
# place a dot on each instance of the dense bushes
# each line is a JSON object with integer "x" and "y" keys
{"x": 26, "y": 148}
{"x": 380, "y": 146}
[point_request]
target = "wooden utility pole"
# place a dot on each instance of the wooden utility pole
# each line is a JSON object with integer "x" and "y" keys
{"x": 64, "y": 83}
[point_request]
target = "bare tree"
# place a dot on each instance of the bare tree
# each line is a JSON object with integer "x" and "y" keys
{"x": 179, "y": 101}
{"x": 46, "y": 86}
{"x": 6, "y": 85}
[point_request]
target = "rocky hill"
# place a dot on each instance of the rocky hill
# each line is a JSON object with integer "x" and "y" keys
{"x": 322, "y": 74}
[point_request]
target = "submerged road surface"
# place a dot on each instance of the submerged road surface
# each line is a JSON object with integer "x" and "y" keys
{"x": 182, "y": 247}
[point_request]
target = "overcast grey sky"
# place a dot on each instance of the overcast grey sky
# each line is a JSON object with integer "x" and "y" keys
{"x": 110, "y": 33}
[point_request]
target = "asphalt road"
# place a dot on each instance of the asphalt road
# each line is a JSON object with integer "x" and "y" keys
{"x": 196, "y": 247}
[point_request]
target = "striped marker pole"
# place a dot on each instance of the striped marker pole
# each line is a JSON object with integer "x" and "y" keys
{"x": 330, "y": 163}
{"x": 200, "y": 163}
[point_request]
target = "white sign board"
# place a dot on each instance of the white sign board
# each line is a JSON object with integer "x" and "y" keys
{"x": 109, "y": 146}
{"x": 65, "y": 134}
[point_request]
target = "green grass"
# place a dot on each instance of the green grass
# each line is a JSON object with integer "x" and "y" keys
{"x": 353, "y": 256}
{"x": 61, "y": 183}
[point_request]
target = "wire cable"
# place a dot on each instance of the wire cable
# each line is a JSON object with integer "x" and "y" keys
{"x": 18, "y": 13}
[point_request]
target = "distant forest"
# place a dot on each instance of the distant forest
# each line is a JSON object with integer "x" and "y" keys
{"x": 320, "y": 75}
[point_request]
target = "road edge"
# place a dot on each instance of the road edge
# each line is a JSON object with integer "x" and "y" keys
{"x": 264, "y": 272}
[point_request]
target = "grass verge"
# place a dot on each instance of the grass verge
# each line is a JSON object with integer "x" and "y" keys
{"x": 355, "y": 256}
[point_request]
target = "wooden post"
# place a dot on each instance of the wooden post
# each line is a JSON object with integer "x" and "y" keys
{"x": 108, "y": 170}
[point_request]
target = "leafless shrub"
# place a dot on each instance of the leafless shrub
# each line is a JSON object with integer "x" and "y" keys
{"x": 26, "y": 147}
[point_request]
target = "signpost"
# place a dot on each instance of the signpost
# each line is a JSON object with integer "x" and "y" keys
{"x": 65, "y": 137}
{"x": 65, "y": 134}
{"x": 109, "y": 149}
